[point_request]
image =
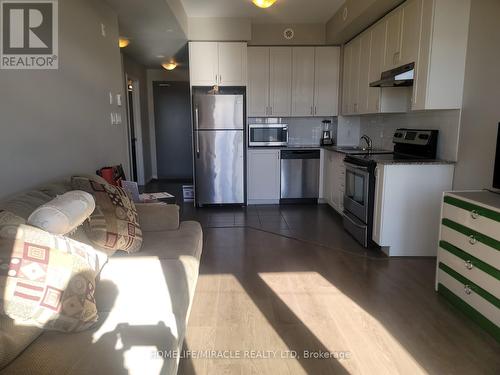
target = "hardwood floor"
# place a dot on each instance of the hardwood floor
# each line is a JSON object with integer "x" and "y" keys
{"x": 307, "y": 286}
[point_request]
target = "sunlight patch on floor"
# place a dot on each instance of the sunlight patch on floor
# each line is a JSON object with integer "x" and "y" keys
{"x": 340, "y": 324}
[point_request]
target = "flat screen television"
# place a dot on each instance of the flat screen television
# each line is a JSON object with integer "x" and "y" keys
{"x": 496, "y": 173}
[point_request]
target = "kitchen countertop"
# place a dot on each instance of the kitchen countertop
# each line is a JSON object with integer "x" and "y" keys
{"x": 350, "y": 150}
{"x": 416, "y": 162}
{"x": 289, "y": 147}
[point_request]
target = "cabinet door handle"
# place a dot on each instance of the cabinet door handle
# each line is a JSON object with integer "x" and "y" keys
{"x": 315, "y": 110}
{"x": 270, "y": 110}
{"x": 467, "y": 289}
{"x": 311, "y": 110}
{"x": 474, "y": 214}
{"x": 468, "y": 265}
{"x": 472, "y": 239}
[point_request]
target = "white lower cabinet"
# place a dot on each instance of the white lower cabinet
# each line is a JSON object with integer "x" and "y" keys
{"x": 263, "y": 176}
{"x": 334, "y": 180}
{"x": 407, "y": 206}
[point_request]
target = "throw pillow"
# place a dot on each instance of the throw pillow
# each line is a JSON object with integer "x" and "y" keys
{"x": 13, "y": 338}
{"x": 47, "y": 281}
{"x": 114, "y": 224}
{"x": 64, "y": 213}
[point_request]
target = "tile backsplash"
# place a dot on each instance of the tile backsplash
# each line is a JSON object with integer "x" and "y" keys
{"x": 304, "y": 130}
{"x": 382, "y": 127}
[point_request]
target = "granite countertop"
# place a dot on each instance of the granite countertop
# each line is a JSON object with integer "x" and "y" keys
{"x": 353, "y": 150}
{"x": 417, "y": 162}
{"x": 289, "y": 147}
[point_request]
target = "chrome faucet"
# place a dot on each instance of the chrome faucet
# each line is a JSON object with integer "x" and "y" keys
{"x": 368, "y": 141}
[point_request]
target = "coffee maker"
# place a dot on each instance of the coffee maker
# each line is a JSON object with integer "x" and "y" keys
{"x": 326, "y": 136}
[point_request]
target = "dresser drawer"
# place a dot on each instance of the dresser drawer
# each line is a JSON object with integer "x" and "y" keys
{"x": 470, "y": 294}
{"x": 472, "y": 216}
{"x": 471, "y": 245}
{"x": 470, "y": 267}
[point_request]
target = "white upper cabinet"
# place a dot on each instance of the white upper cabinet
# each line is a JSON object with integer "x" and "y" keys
{"x": 293, "y": 81}
{"x": 302, "y": 81}
{"x": 258, "y": 81}
{"x": 346, "y": 78}
{"x": 326, "y": 81}
{"x": 232, "y": 64}
{"x": 440, "y": 71}
{"x": 280, "y": 81}
{"x": 218, "y": 63}
{"x": 377, "y": 53}
{"x": 365, "y": 41}
{"x": 433, "y": 34}
{"x": 410, "y": 31}
{"x": 393, "y": 40}
{"x": 354, "y": 76}
{"x": 203, "y": 63}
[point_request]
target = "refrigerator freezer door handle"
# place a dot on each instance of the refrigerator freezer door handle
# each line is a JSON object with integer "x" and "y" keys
{"x": 197, "y": 132}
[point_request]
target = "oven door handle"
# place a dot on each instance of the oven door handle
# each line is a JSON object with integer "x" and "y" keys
{"x": 354, "y": 166}
{"x": 353, "y": 222}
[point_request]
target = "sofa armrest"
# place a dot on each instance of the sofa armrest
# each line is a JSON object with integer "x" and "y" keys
{"x": 158, "y": 217}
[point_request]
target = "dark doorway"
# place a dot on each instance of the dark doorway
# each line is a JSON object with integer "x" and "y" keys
{"x": 173, "y": 130}
{"x": 133, "y": 139}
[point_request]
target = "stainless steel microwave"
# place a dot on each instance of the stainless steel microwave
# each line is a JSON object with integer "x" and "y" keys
{"x": 267, "y": 135}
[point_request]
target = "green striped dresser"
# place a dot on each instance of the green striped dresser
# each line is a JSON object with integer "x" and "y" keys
{"x": 468, "y": 266}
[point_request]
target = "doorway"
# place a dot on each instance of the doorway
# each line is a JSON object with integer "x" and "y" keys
{"x": 135, "y": 131}
{"x": 173, "y": 132}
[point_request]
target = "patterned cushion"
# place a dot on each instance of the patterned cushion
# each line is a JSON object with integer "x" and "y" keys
{"x": 114, "y": 224}
{"x": 8, "y": 218}
{"x": 48, "y": 281}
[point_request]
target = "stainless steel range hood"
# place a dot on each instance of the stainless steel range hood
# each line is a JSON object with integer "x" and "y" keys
{"x": 398, "y": 77}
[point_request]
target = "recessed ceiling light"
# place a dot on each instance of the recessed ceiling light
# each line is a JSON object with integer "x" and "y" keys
{"x": 123, "y": 42}
{"x": 169, "y": 65}
{"x": 263, "y": 3}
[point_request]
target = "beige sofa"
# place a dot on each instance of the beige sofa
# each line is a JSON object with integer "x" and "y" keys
{"x": 144, "y": 300}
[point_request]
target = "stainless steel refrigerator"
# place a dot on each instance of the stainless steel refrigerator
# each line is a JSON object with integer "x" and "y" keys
{"x": 219, "y": 147}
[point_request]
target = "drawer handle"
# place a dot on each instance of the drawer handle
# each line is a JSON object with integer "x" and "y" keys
{"x": 469, "y": 265}
{"x": 467, "y": 289}
{"x": 472, "y": 240}
{"x": 474, "y": 214}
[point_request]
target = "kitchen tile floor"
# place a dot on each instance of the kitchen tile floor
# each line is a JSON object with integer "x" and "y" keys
{"x": 284, "y": 281}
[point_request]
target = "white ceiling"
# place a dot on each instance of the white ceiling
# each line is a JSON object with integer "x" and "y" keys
{"x": 154, "y": 33}
{"x": 283, "y": 11}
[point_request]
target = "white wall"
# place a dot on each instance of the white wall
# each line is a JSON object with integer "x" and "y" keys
{"x": 56, "y": 123}
{"x": 179, "y": 74}
{"x": 481, "y": 103}
{"x": 219, "y": 29}
{"x": 272, "y": 34}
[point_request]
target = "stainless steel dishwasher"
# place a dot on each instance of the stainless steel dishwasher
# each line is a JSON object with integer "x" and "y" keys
{"x": 299, "y": 175}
